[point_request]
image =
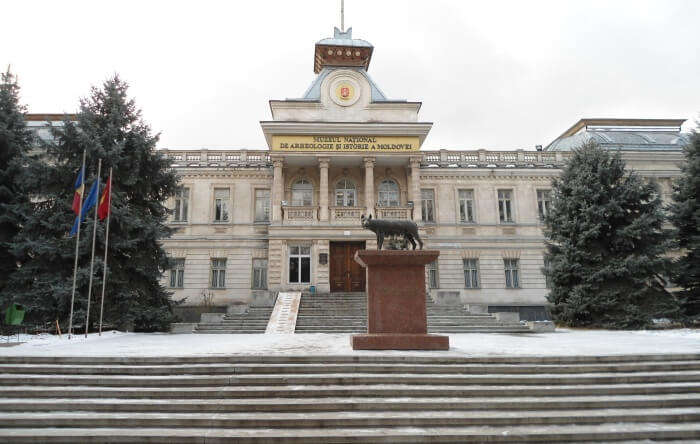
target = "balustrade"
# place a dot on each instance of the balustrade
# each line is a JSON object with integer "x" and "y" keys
{"x": 346, "y": 215}
{"x": 300, "y": 214}
{"x": 396, "y": 213}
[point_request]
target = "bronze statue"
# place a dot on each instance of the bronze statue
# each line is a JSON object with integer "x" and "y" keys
{"x": 405, "y": 228}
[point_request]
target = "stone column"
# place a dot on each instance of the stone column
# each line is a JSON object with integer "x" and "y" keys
{"x": 323, "y": 163}
{"x": 277, "y": 189}
{"x": 369, "y": 185}
{"x": 414, "y": 191}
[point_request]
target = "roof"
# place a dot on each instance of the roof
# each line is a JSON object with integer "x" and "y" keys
{"x": 623, "y": 134}
{"x": 344, "y": 38}
{"x": 313, "y": 92}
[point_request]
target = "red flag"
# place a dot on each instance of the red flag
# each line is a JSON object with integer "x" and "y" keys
{"x": 105, "y": 200}
{"x": 79, "y": 187}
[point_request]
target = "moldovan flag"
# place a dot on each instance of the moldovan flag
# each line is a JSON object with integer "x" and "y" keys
{"x": 89, "y": 202}
{"x": 105, "y": 200}
{"x": 79, "y": 187}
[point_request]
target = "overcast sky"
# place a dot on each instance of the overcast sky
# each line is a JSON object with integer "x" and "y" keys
{"x": 491, "y": 74}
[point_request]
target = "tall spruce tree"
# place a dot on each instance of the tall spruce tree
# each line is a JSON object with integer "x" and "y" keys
{"x": 109, "y": 127}
{"x": 15, "y": 142}
{"x": 685, "y": 215}
{"x": 605, "y": 245}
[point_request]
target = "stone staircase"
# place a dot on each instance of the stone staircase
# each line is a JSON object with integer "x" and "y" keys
{"x": 455, "y": 319}
{"x": 347, "y": 313}
{"x": 253, "y": 321}
{"x": 332, "y": 313}
{"x": 360, "y": 399}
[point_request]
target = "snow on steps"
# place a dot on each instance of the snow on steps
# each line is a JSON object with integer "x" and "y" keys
{"x": 368, "y": 398}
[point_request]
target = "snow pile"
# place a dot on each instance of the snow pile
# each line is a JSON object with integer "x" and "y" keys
{"x": 561, "y": 343}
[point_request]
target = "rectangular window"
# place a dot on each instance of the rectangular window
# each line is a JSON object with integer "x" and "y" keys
{"x": 547, "y": 280}
{"x": 221, "y": 200}
{"x": 218, "y": 273}
{"x": 262, "y": 205}
{"x": 471, "y": 273}
{"x": 428, "y": 205}
{"x": 466, "y": 206}
{"x": 505, "y": 205}
{"x": 182, "y": 200}
{"x": 177, "y": 273}
{"x": 259, "y": 274}
{"x": 511, "y": 269}
{"x": 299, "y": 264}
{"x": 544, "y": 201}
{"x": 433, "y": 278}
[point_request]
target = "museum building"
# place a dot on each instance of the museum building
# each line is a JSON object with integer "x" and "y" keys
{"x": 252, "y": 223}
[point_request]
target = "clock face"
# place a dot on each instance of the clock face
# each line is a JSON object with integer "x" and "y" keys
{"x": 344, "y": 90}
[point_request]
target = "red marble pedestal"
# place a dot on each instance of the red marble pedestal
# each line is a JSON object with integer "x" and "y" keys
{"x": 396, "y": 316}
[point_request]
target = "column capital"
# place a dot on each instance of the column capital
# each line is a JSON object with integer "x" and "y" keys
{"x": 369, "y": 161}
{"x": 324, "y": 162}
{"x": 415, "y": 161}
{"x": 277, "y": 162}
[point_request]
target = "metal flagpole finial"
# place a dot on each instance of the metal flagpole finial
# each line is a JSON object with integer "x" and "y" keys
{"x": 342, "y": 15}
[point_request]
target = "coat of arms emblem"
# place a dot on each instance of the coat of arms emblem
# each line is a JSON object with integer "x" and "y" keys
{"x": 345, "y": 92}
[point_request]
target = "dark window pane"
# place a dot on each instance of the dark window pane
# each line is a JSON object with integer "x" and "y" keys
{"x": 293, "y": 269}
{"x": 305, "y": 269}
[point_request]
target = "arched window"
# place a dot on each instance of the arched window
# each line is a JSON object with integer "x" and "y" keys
{"x": 388, "y": 194}
{"x": 302, "y": 193}
{"x": 345, "y": 193}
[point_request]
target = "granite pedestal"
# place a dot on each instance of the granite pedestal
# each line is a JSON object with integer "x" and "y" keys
{"x": 396, "y": 314}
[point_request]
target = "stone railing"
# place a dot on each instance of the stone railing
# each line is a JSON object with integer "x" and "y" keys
{"x": 500, "y": 159}
{"x": 346, "y": 215}
{"x": 300, "y": 214}
{"x": 217, "y": 158}
{"x": 396, "y": 213}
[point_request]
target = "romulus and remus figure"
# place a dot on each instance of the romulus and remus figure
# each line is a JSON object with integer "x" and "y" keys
{"x": 382, "y": 228}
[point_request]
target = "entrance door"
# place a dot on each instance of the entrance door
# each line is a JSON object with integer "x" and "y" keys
{"x": 346, "y": 274}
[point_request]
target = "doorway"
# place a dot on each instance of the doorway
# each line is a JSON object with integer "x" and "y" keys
{"x": 345, "y": 273}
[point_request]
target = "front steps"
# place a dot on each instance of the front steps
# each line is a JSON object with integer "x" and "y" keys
{"x": 360, "y": 398}
{"x": 347, "y": 313}
{"x": 253, "y": 321}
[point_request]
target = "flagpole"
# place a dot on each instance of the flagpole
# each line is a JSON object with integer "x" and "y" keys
{"x": 104, "y": 267}
{"x": 92, "y": 259}
{"x": 77, "y": 243}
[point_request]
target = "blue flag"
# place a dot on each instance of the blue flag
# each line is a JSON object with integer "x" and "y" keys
{"x": 89, "y": 202}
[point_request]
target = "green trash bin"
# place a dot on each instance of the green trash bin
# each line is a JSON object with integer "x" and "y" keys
{"x": 14, "y": 315}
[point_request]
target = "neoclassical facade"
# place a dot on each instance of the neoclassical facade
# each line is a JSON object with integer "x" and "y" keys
{"x": 251, "y": 223}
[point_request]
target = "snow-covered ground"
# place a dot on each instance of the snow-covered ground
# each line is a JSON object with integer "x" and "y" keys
{"x": 561, "y": 343}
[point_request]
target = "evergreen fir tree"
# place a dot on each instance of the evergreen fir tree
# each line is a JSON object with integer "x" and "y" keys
{"x": 15, "y": 142}
{"x": 685, "y": 215}
{"x": 109, "y": 127}
{"x": 605, "y": 245}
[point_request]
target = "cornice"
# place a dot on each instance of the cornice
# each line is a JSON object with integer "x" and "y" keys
{"x": 272, "y": 128}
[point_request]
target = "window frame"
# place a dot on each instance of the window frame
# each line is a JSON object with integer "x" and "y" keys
{"x": 177, "y": 273}
{"x": 474, "y": 275}
{"x": 433, "y": 274}
{"x": 543, "y": 203}
{"x": 298, "y": 256}
{"x": 381, "y": 193}
{"x": 511, "y": 268}
{"x": 255, "y": 205}
{"x": 225, "y": 206}
{"x": 346, "y": 191}
{"x": 473, "y": 205}
{"x": 423, "y": 205}
{"x": 217, "y": 276}
{"x": 181, "y": 205}
{"x": 309, "y": 190}
{"x": 506, "y": 217}
{"x": 263, "y": 274}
